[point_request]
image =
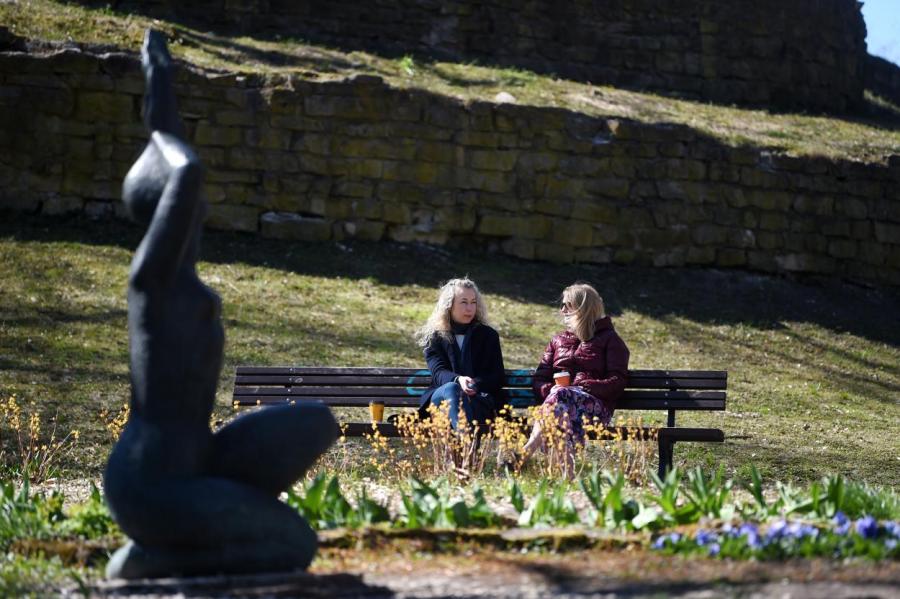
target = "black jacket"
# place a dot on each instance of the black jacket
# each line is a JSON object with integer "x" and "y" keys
{"x": 485, "y": 363}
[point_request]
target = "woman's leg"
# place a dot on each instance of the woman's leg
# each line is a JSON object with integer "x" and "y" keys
{"x": 535, "y": 440}
{"x": 453, "y": 394}
{"x": 544, "y": 414}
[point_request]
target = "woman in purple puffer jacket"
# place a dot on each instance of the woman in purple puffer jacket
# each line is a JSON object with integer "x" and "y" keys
{"x": 596, "y": 359}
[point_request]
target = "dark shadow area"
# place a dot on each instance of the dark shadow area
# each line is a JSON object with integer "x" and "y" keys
{"x": 229, "y": 50}
{"x": 43, "y": 316}
{"x": 705, "y": 296}
{"x": 60, "y": 373}
{"x": 874, "y": 113}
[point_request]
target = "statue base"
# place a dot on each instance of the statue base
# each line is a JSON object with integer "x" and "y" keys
{"x": 275, "y": 584}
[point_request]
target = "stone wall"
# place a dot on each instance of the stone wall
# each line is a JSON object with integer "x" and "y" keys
{"x": 794, "y": 54}
{"x": 293, "y": 159}
{"x": 883, "y": 78}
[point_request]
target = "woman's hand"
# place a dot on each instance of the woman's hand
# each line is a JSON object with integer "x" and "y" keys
{"x": 468, "y": 385}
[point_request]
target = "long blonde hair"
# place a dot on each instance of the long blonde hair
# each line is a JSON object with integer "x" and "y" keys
{"x": 585, "y": 309}
{"x": 439, "y": 321}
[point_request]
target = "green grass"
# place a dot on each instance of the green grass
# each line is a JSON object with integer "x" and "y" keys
{"x": 871, "y": 137}
{"x": 813, "y": 368}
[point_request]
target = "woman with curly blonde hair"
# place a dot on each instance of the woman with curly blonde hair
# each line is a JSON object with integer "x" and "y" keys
{"x": 463, "y": 354}
{"x": 596, "y": 359}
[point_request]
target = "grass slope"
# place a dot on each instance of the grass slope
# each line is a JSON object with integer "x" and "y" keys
{"x": 870, "y": 138}
{"x": 814, "y": 369}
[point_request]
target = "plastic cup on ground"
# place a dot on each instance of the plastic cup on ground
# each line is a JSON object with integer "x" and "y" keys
{"x": 562, "y": 378}
{"x": 376, "y": 410}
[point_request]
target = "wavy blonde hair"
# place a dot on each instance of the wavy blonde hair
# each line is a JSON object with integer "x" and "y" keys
{"x": 439, "y": 321}
{"x": 585, "y": 309}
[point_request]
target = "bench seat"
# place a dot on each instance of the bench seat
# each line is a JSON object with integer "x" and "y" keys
{"x": 669, "y": 391}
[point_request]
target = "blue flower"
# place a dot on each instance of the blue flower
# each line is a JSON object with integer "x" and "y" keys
{"x": 714, "y": 549}
{"x": 841, "y": 523}
{"x": 798, "y": 531}
{"x": 751, "y": 533}
{"x": 669, "y": 539}
{"x": 776, "y": 530}
{"x": 890, "y": 544}
{"x": 705, "y": 537}
{"x": 892, "y": 527}
{"x": 867, "y": 527}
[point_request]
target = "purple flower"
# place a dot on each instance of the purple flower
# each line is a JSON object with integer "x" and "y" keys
{"x": 841, "y": 523}
{"x": 867, "y": 527}
{"x": 714, "y": 549}
{"x": 754, "y": 542}
{"x": 669, "y": 539}
{"x": 776, "y": 530}
{"x": 751, "y": 533}
{"x": 705, "y": 537}
{"x": 890, "y": 544}
{"x": 798, "y": 530}
{"x": 892, "y": 527}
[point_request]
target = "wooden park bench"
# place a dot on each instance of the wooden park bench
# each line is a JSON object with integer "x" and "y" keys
{"x": 655, "y": 390}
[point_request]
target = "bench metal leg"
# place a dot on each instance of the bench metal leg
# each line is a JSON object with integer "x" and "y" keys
{"x": 666, "y": 451}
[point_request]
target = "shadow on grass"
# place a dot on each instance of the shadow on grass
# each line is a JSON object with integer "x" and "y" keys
{"x": 63, "y": 373}
{"x": 327, "y": 342}
{"x": 845, "y": 370}
{"x": 228, "y": 50}
{"x": 703, "y": 296}
{"x": 44, "y": 316}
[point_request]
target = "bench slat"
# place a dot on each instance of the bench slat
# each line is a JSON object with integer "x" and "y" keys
{"x": 406, "y": 402}
{"x": 406, "y": 372}
{"x": 425, "y": 381}
{"x": 707, "y": 435}
{"x": 331, "y": 370}
{"x": 629, "y": 394}
{"x": 332, "y": 380}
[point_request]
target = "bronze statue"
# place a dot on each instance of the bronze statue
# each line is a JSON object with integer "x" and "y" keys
{"x": 194, "y": 502}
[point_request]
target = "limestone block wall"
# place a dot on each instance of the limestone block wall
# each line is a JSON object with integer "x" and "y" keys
{"x": 293, "y": 159}
{"x": 807, "y": 54}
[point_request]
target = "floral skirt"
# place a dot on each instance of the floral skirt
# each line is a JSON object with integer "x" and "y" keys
{"x": 572, "y": 407}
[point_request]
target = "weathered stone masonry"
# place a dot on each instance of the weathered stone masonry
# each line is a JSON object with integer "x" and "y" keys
{"x": 289, "y": 158}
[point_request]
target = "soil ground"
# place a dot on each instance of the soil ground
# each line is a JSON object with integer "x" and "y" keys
{"x": 406, "y": 572}
{"x": 600, "y": 573}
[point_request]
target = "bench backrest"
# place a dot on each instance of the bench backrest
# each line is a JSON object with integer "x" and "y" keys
{"x": 401, "y": 387}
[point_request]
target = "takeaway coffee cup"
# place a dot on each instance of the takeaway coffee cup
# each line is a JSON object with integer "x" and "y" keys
{"x": 376, "y": 410}
{"x": 562, "y": 378}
